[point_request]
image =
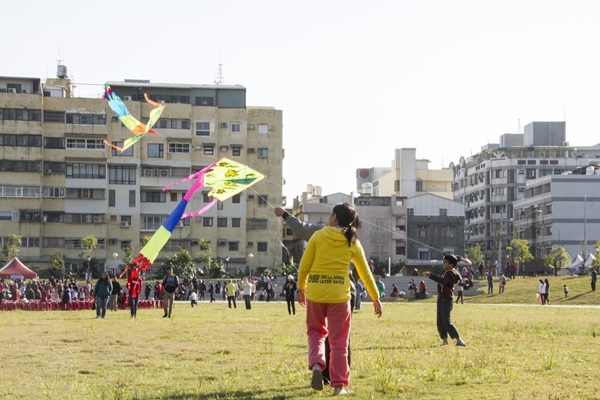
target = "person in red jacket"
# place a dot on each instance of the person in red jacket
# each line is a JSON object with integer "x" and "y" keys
{"x": 134, "y": 286}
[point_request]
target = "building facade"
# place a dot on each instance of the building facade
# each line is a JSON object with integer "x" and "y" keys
{"x": 60, "y": 182}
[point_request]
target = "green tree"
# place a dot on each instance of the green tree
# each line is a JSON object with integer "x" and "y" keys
{"x": 205, "y": 256}
{"x": 557, "y": 259}
{"x": 58, "y": 262}
{"x": 89, "y": 243}
{"x": 127, "y": 255}
{"x": 10, "y": 249}
{"x": 216, "y": 269}
{"x": 182, "y": 264}
{"x": 475, "y": 254}
{"x": 518, "y": 252}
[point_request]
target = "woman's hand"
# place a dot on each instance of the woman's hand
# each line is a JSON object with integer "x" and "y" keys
{"x": 377, "y": 308}
{"x": 301, "y": 298}
{"x": 426, "y": 274}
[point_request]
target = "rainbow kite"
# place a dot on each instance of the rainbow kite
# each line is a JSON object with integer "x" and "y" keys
{"x": 225, "y": 177}
{"x": 136, "y": 127}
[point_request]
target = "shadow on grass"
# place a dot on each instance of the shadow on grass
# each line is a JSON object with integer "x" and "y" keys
{"x": 238, "y": 394}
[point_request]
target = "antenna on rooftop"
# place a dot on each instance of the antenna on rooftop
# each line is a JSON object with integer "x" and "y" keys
{"x": 519, "y": 125}
{"x": 220, "y": 80}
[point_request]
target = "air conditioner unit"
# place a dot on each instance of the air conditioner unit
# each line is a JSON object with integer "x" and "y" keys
{"x": 114, "y": 118}
{"x": 195, "y": 242}
{"x": 124, "y": 224}
{"x": 222, "y": 242}
{"x": 251, "y": 127}
{"x": 223, "y": 124}
{"x": 2, "y": 90}
{"x": 180, "y": 224}
{"x": 97, "y": 218}
{"x": 24, "y": 91}
{"x": 251, "y": 150}
{"x": 48, "y": 171}
{"x": 12, "y": 90}
{"x": 112, "y": 241}
{"x": 127, "y": 98}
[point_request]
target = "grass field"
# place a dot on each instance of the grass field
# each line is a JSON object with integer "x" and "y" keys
{"x": 516, "y": 350}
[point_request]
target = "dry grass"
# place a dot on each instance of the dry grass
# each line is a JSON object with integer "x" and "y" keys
{"x": 212, "y": 352}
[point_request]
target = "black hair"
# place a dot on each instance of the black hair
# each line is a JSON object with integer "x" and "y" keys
{"x": 347, "y": 218}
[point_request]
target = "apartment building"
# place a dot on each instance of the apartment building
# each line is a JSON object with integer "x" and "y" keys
{"x": 60, "y": 182}
{"x": 491, "y": 181}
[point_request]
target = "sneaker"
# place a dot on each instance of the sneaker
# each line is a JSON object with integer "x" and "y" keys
{"x": 316, "y": 382}
{"x": 165, "y": 316}
{"x": 461, "y": 344}
{"x": 340, "y": 391}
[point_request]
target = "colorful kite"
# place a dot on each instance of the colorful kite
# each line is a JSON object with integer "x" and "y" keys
{"x": 225, "y": 177}
{"x": 136, "y": 127}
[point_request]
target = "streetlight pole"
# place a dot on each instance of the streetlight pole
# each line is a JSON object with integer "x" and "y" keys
{"x": 115, "y": 255}
{"x": 227, "y": 264}
{"x": 251, "y": 256}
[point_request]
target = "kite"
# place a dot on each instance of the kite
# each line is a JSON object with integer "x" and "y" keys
{"x": 136, "y": 127}
{"x": 225, "y": 177}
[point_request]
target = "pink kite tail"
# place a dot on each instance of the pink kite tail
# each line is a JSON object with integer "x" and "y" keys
{"x": 196, "y": 213}
{"x": 190, "y": 177}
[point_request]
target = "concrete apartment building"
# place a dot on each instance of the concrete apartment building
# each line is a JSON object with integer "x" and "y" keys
{"x": 491, "y": 181}
{"x": 60, "y": 182}
{"x": 560, "y": 210}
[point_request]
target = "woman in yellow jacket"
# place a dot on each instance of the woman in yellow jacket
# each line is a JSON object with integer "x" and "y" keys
{"x": 324, "y": 288}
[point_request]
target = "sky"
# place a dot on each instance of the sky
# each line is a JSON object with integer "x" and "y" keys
{"x": 354, "y": 79}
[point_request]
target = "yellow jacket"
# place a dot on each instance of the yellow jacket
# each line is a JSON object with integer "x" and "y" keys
{"x": 323, "y": 272}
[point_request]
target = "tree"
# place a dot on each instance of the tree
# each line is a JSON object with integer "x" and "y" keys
{"x": 557, "y": 259}
{"x": 205, "y": 255}
{"x": 127, "y": 255}
{"x": 518, "y": 251}
{"x": 89, "y": 243}
{"x": 182, "y": 264}
{"x": 596, "y": 262}
{"x": 475, "y": 254}
{"x": 58, "y": 261}
{"x": 10, "y": 250}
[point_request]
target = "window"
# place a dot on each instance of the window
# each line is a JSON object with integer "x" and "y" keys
{"x": 155, "y": 150}
{"x": 58, "y": 192}
{"x": 448, "y": 231}
{"x": 132, "y": 198}
{"x": 423, "y": 254}
{"x": 94, "y": 194}
{"x": 410, "y": 211}
{"x": 21, "y": 140}
{"x": 261, "y": 246}
{"x": 263, "y": 153}
{"x": 256, "y": 223}
{"x": 125, "y": 244}
{"x": 20, "y": 114}
{"x": 222, "y": 222}
{"x": 86, "y": 119}
{"x": 400, "y": 250}
{"x": 263, "y": 128}
{"x": 205, "y": 101}
{"x": 236, "y": 151}
{"x": 54, "y": 143}
{"x": 86, "y": 171}
{"x": 219, "y": 205}
{"x": 207, "y": 221}
{"x": 236, "y": 127}
{"x": 236, "y": 198}
{"x": 379, "y": 225}
{"x": 122, "y": 175}
{"x": 262, "y": 200}
{"x": 112, "y": 198}
{"x": 118, "y": 153}
{"x": 20, "y": 166}
{"x": 236, "y": 222}
{"x": 422, "y": 231}
{"x": 54, "y": 116}
{"x": 149, "y": 222}
{"x": 530, "y": 173}
{"x": 234, "y": 246}
{"x": 206, "y": 198}
{"x": 209, "y": 150}
{"x": 443, "y": 212}
{"x": 173, "y": 196}
{"x": 419, "y": 187}
{"x": 202, "y": 128}
{"x": 95, "y": 144}
{"x": 182, "y": 148}
{"x": 153, "y": 196}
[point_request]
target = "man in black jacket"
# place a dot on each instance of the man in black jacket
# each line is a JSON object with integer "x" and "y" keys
{"x": 114, "y": 295}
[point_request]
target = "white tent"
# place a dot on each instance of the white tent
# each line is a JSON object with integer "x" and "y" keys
{"x": 576, "y": 262}
{"x": 590, "y": 260}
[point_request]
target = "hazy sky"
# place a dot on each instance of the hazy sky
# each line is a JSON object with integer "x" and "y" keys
{"x": 355, "y": 79}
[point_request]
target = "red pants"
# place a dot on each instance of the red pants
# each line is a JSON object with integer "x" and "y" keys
{"x": 331, "y": 320}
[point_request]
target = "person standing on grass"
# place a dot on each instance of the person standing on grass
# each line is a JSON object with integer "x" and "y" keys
{"x": 459, "y": 297}
{"x": 248, "y": 286}
{"x": 542, "y": 291}
{"x": 290, "y": 294}
{"x": 445, "y": 290}
{"x": 102, "y": 291}
{"x": 134, "y": 286}
{"x": 324, "y": 289}
{"x": 380, "y": 286}
{"x": 170, "y": 284}
{"x": 490, "y": 282}
{"x": 231, "y": 290}
{"x": 566, "y": 290}
{"x": 546, "y": 291}
{"x": 502, "y": 284}
{"x": 594, "y": 277}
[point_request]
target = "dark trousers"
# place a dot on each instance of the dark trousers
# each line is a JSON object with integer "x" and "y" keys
{"x": 247, "y": 301}
{"x": 444, "y": 325}
{"x": 231, "y": 299}
{"x": 291, "y": 305}
{"x": 593, "y": 286}
{"x": 133, "y": 305}
{"x": 460, "y": 298}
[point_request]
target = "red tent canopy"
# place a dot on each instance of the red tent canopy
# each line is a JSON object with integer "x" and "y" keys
{"x": 16, "y": 267}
